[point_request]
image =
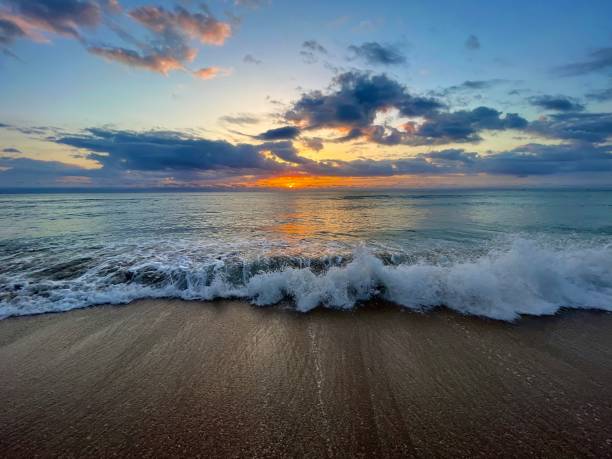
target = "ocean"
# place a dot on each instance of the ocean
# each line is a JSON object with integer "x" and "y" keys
{"x": 492, "y": 253}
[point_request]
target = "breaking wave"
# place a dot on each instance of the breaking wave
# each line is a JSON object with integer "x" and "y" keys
{"x": 524, "y": 277}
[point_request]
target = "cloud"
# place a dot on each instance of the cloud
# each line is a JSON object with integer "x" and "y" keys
{"x": 208, "y": 73}
{"x": 354, "y": 133}
{"x": 311, "y": 49}
{"x": 249, "y": 59}
{"x": 167, "y": 151}
{"x": 285, "y": 132}
{"x": 64, "y": 17}
{"x": 11, "y": 150}
{"x": 355, "y": 98}
{"x": 286, "y": 151}
{"x": 598, "y": 61}
{"x": 472, "y": 43}
{"x": 240, "y": 119}
{"x": 529, "y": 160}
{"x": 601, "y": 95}
{"x": 471, "y": 85}
{"x": 26, "y": 172}
{"x": 128, "y": 158}
{"x": 583, "y": 127}
{"x": 168, "y": 48}
{"x": 462, "y": 126}
{"x": 9, "y": 32}
{"x": 314, "y": 46}
{"x": 374, "y": 53}
{"x": 536, "y": 159}
{"x": 314, "y": 143}
{"x": 157, "y": 62}
{"x": 202, "y": 26}
{"x": 556, "y": 103}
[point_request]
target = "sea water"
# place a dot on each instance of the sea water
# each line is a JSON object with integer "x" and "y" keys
{"x": 491, "y": 253}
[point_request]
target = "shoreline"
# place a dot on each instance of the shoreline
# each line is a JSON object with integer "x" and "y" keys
{"x": 224, "y": 378}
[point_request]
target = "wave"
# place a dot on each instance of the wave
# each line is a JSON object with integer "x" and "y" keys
{"x": 525, "y": 277}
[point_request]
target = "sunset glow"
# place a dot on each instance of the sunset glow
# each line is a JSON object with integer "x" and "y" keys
{"x": 235, "y": 94}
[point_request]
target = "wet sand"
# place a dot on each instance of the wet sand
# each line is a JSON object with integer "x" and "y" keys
{"x": 167, "y": 378}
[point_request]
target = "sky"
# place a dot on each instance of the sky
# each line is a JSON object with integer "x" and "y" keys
{"x": 245, "y": 94}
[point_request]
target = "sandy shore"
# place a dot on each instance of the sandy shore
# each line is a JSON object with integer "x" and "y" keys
{"x": 163, "y": 378}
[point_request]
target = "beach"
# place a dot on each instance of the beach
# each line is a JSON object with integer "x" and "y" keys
{"x": 226, "y": 379}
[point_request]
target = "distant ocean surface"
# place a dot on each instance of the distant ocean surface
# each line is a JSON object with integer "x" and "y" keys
{"x": 496, "y": 254}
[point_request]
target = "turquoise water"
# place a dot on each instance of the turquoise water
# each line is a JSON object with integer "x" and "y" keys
{"x": 490, "y": 253}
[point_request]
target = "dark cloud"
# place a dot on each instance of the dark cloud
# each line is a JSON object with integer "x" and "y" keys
{"x": 472, "y": 43}
{"x": 311, "y": 50}
{"x": 131, "y": 158}
{"x": 600, "y": 96}
{"x": 314, "y": 143}
{"x": 249, "y": 59}
{"x": 166, "y": 151}
{"x": 452, "y": 155}
{"x": 26, "y": 172}
{"x": 11, "y": 150}
{"x": 353, "y": 134}
{"x": 529, "y": 160}
{"x": 374, "y": 53}
{"x": 355, "y": 98}
{"x": 475, "y": 84}
{"x": 556, "y": 103}
{"x": 282, "y": 133}
{"x": 470, "y": 85}
{"x": 314, "y": 46}
{"x": 598, "y": 61}
{"x": 285, "y": 151}
{"x": 372, "y": 168}
{"x": 9, "y": 32}
{"x": 465, "y": 125}
{"x": 536, "y": 159}
{"x": 65, "y": 17}
{"x": 584, "y": 127}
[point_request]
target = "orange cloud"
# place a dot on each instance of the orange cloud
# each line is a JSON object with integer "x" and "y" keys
{"x": 155, "y": 62}
{"x": 410, "y": 127}
{"x": 202, "y": 26}
{"x": 208, "y": 73}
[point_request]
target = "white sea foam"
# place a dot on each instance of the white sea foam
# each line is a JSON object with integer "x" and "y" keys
{"x": 524, "y": 277}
